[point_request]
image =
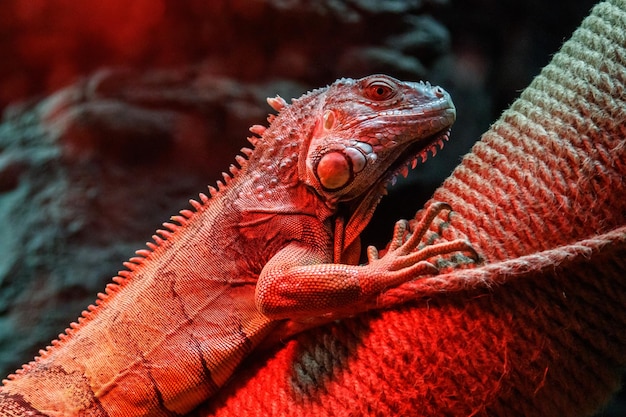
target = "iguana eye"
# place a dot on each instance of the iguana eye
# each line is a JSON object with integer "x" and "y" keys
{"x": 379, "y": 90}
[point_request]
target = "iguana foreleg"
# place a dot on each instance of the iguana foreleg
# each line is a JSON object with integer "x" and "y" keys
{"x": 300, "y": 281}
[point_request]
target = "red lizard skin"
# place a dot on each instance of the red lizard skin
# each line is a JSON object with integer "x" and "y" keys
{"x": 277, "y": 241}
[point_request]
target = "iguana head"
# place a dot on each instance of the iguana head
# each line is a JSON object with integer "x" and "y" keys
{"x": 371, "y": 129}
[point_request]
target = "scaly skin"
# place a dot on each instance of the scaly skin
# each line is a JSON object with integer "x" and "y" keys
{"x": 278, "y": 240}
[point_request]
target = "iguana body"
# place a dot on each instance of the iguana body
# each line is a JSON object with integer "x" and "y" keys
{"x": 278, "y": 240}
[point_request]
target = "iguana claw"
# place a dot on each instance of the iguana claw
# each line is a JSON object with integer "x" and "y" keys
{"x": 403, "y": 261}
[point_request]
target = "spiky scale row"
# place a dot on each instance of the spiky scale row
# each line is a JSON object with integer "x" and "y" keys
{"x": 143, "y": 252}
{"x": 254, "y": 140}
{"x": 164, "y": 234}
{"x": 119, "y": 280}
{"x": 111, "y": 288}
{"x": 171, "y": 226}
{"x": 277, "y": 103}
{"x": 195, "y": 204}
{"x": 241, "y": 160}
{"x": 258, "y": 129}
{"x": 86, "y": 315}
{"x": 130, "y": 265}
{"x": 159, "y": 239}
{"x": 186, "y": 213}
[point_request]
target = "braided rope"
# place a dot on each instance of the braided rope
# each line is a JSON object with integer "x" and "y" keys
{"x": 552, "y": 170}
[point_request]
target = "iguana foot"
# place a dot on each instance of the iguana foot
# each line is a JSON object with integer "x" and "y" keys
{"x": 403, "y": 261}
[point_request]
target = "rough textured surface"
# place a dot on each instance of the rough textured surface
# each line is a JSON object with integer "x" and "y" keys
{"x": 277, "y": 243}
{"x": 46, "y": 233}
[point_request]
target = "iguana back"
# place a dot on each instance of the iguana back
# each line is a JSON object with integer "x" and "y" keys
{"x": 277, "y": 240}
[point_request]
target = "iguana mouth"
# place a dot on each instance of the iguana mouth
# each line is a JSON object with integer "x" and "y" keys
{"x": 415, "y": 153}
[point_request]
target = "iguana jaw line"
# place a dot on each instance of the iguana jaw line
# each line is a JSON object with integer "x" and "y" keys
{"x": 416, "y": 152}
{"x": 362, "y": 209}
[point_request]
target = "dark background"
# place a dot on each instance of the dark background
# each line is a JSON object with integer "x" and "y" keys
{"x": 117, "y": 112}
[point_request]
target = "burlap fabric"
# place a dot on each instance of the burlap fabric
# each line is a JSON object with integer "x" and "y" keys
{"x": 540, "y": 328}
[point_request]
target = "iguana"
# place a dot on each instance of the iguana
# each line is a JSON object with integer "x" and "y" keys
{"x": 277, "y": 240}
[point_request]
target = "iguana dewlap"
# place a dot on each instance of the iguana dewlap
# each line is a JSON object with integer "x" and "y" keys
{"x": 277, "y": 240}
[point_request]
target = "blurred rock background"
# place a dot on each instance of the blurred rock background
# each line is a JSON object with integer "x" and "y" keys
{"x": 116, "y": 113}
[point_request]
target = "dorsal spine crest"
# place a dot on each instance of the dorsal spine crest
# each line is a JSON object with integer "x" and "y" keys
{"x": 159, "y": 240}
{"x": 277, "y": 103}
